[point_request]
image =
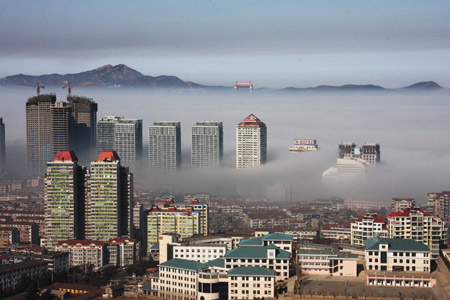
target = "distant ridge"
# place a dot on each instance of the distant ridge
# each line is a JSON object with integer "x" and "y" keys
{"x": 124, "y": 76}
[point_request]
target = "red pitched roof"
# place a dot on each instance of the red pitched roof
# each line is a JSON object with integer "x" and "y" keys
{"x": 66, "y": 155}
{"x": 81, "y": 242}
{"x": 252, "y": 121}
{"x": 108, "y": 156}
{"x": 407, "y": 213}
{"x": 120, "y": 240}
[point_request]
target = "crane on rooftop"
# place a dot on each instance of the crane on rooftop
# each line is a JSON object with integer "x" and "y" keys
{"x": 37, "y": 86}
{"x": 69, "y": 86}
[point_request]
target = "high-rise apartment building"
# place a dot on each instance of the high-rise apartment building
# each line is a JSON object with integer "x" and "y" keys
{"x": 370, "y": 152}
{"x": 109, "y": 198}
{"x": 420, "y": 226}
{"x": 115, "y": 133}
{"x": 369, "y": 226}
{"x": 2, "y": 147}
{"x": 84, "y": 112}
{"x": 438, "y": 204}
{"x": 251, "y": 143}
{"x": 64, "y": 195}
{"x": 56, "y": 126}
{"x": 164, "y": 149}
{"x": 39, "y": 133}
{"x": 207, "y": 144}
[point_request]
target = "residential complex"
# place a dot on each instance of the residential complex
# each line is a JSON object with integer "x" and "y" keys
{"x": 2, "y": 148}
{"x": 124, "y": 136}
{"x": 251, "y": 143}
{"x": 419, "y": 226}
{"x": 84, "y": 252}
{"x": 398, "y": 204}
{"x": 164, "y": 149}
{"x": 369, "y": 226}
{"x": 109, "y": 198}
{"x": 200, "y": 253}
{"x": 64, "y": 196}
{"x": 438, "y": 204}
{"x": 207, "y": 144}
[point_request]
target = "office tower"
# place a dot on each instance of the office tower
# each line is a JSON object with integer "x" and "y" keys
{"x": 370, "y": 152}
{"x": 420, "y": 226}
{"x": 2, "y": 147}
{"x": 39, "y": 133}
{"x": 109, "y": 198}
{"x": 124, "y": 136}
{"x": 251, "y": 143}
{"x": 438, "y": 204}
{"x": 64, "y": 195}
{"x": 84, "y": 112}
{"x": 346, "y": 150}
{"x": 207, "y": 144}
{"x": 61, "y": 127}
{"x": 164, "y": 149}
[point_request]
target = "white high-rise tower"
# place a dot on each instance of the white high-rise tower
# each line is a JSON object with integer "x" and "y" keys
{"x": 251, "y": 143}
{"x": 207, "y": 144}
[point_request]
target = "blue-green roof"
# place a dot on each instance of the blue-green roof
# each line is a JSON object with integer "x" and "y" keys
{"x": 184, "y": 264}
{"x": 277, "y": 237}
{"x": 251, "y": 271}
{"x": 256, "y": 252}
{"x": 218, "y": 262}
{"x": 146, "y": 287}
{"x": 251, "y": 242}
{"x": 396, "y": 244}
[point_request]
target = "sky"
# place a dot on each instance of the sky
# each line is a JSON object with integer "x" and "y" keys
{"x": 271, "y": 43}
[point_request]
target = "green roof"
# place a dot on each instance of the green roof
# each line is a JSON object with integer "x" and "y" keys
{"x": 184, "y": 264}
{"x": 146, "y": 287}
{"x": 218, "y": 262}
{"x": 396, "y": 244}
{"x": 251, "y": 271}
{"x": 256, "y": 252}
{"x": 251, "y": 242}
{"x": 277, "y": 237}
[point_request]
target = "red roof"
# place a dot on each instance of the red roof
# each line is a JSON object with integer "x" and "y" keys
{"x": 407, "y": 213}
{"x": 252, "y": 121}
{"x": 108, "y": 156}
{"x": 81, "y": 242}
{"x": 120, "y": 240}
{"x": 66, "y": 155}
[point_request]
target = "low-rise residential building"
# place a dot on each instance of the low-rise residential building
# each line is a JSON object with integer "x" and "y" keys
{"x": 420, "y": 226}
{"x": 327, "y": 262}
{"x": 8, "y": 236}
{"x": 369, "y": 226}
{"x": 302, "y": 235}
{"x": 84, "y": 252}
{"x": 398, "y": 262}
{"x": 251, "y": 283}
{"x": 58, "y": 262}
{"x": 123, "y": 252}
{"x": 402, "y": 204}
{"x": 10, "y": 275}
{"x": 200, "y": 253}
{"x": 29, "y": 231}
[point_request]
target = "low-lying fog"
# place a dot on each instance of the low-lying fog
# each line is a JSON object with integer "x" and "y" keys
{"x": 413, "y": 131}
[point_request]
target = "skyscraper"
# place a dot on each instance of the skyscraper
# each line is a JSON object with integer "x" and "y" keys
{"x": 2, "y": 148}
{"x": 39, "y": 133}
{"x": 346, "y": 150}
{"x": 84, "y": 112}
{"x": 64, "y": 195}
{"x": 370, "y": 152}
{"x": 61, "y": 127}
{"x": 207, "y": 144}
{"x": 251, "y": 143}
{"x": 109, "y": 198}
{"x": 121, "y": 135}
{"x": 164, "y": 146}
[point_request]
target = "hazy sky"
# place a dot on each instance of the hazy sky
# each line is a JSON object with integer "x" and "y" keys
{"x": 272, "y": 43}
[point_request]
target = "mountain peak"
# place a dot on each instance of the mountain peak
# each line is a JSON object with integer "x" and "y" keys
{"x": 424, "y": 85}
{"x": 103, "y": 67}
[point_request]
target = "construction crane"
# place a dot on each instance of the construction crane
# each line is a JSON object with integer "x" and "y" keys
{"x": 37, "y": 86}
{"x": 69, "y": 86}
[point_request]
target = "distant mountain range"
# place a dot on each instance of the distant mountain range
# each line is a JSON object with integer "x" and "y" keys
{"x": 124, "y": 76}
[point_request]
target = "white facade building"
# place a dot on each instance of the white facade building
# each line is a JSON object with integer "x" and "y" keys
{"x": 251, "y": 143}
{"x": 200, "y": 253}
{"x": 369, "y": 226}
